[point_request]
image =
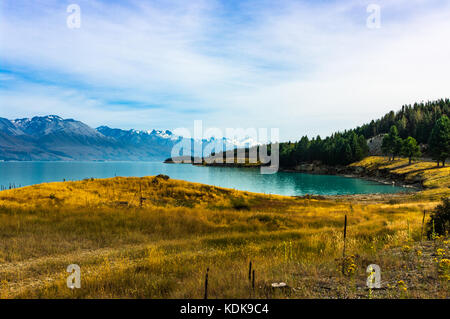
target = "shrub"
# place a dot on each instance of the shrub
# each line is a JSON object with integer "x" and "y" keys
{"x": 239, "y": 204}
{"x": 440, "y": 219}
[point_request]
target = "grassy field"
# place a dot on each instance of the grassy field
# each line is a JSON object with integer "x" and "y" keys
{"x": 154, "y": 237}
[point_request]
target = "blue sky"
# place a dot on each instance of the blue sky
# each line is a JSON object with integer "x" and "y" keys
{"x": 306, "y": 67}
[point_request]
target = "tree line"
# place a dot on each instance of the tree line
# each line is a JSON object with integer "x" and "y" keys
{"x": 337, "y": 149}
{"x": 415, "y": 120}
{"x": 421, "y": 123}
{"x": 438, "y": 143}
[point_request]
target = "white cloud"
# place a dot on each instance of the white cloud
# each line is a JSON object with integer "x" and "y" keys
{"x": 305, "y": 68}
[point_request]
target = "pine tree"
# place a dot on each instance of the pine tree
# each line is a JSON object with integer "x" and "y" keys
{"x": 364, "y": 147}
{"x": 392, "y": 143}
{"x": 386, "y": 146}
{"x": 356, "y": 148}
{"x": 348, "y": 156}
{"x": 397, "y": 144}
{"x": 410, "y": 148}
{"x": 440, "y": 140}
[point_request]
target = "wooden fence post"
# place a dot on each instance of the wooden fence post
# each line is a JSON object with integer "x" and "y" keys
{"x": 206, "y": 283}
{"x": 343, "y": 251}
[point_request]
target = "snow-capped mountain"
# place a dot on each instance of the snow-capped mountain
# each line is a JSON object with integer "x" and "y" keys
{"x": 136, "y": 135}
{"x": 54, "y": 138}
{"x": 51, "y": 124}
{"x": 164, "y": 134}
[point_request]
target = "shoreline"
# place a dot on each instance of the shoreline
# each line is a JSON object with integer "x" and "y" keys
{"x": 381, "y": 180}
{"x": 381, "y": 176}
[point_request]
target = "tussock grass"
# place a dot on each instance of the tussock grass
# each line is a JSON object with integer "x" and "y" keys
{"x": 429, "y": 173}
{"x": 160, "y": 246}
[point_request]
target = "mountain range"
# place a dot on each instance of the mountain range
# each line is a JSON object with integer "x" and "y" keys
{"x": 51, "y": 137}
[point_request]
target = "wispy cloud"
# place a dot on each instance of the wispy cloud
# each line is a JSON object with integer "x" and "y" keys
{"x": 308, "y": 67}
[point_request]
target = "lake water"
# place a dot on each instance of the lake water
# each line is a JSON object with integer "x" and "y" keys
{"x": 248, "y": 179}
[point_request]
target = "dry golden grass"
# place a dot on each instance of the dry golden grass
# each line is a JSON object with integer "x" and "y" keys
{"x": 429, "y": 173}
{"x": 162, "y": 247}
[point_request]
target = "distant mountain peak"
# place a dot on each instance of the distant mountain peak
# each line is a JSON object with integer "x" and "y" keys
{"x": 51, "y": 117}
{"x": 53, "y": 138}
{"x": 38, "y": 118}
{"x": 116, "y": 132}
{"x": 163, "y": 134}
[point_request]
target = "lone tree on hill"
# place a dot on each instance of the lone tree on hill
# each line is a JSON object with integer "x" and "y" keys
{"x": 440, "y": 140}
{"x": 410, "y": 149}
{"x": 392, "y": 143}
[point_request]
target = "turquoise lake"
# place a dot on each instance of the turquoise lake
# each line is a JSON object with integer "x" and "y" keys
{"x": 248, "y": 179}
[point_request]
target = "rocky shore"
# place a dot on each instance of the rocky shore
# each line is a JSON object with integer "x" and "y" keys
{"x": 384, "y": 176}
{"x": 380, "y": 175}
